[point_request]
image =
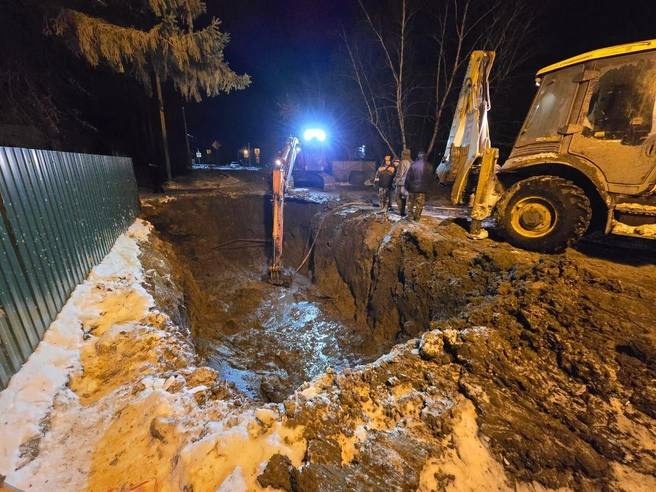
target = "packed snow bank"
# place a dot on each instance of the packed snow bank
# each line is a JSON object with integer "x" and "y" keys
{"x": 113, "y": 399}
{"x": 26, "y": 403}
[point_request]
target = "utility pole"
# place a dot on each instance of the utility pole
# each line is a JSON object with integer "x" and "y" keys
{"x": 184, "y": 122}
{"x": 162, "y": 120}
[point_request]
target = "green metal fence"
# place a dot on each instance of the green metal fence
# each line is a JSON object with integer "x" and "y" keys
{"x": 60, "y": 215}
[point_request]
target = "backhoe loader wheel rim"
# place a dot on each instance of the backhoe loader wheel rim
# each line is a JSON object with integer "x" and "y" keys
{"x": 533, "y": 217}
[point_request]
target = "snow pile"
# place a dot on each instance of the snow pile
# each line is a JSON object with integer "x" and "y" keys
{"x": 26, "y": 402}
{"x": 468, "y": 462}
{"x": 112, "y": 399}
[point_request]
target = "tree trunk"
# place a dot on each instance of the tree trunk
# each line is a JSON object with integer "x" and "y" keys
{"x": 162, "y": 120}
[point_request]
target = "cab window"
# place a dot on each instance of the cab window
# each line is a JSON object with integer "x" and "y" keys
{"x": 551, "y": 107}
{"x": 622, "y": 103}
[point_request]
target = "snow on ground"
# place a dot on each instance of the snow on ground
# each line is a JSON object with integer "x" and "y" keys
{"x": 98, "y": 406}
{"x": 113, "y": 400}
{"x": 27, "y": 401}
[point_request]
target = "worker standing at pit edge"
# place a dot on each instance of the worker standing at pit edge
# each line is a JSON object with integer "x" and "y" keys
{"x": 418, "y": 183}
{"x": 384, "y": 181}
{"x": 399, "y": 181}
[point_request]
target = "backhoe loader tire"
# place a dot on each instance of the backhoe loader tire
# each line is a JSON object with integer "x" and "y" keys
{"x": 544, "y": 213}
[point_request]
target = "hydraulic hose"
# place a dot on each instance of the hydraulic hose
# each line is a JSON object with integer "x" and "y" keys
{"x": 323, "y": 219}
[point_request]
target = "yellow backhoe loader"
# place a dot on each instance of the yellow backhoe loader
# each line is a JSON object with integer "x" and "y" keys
{"x": 584, "y": 158}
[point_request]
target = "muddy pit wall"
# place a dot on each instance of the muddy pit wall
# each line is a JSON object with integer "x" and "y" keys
{"x": 215, "y": 244}
{"x": 389, "y": 279}
{"x": 173, "y": 287}
{"x": 235, "y": 231}
{"x": 396, "y": 281}
{"x": 556, "y": 354}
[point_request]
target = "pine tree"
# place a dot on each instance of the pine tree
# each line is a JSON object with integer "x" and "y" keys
{"x": 154, "y": 41}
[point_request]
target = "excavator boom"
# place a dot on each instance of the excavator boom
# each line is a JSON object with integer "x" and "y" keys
{"x": 281, "y": 180}
{"x": 469, "y": 148}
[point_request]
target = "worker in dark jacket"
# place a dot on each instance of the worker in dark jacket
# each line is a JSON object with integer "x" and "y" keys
{"x": 384, "y": 181}
{"x": 399, "y": 181}
{"x": 418, "y": 182}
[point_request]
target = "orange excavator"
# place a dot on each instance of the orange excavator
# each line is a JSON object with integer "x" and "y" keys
{"x": 309, "y": 167}
{"x": 282, "y": 180}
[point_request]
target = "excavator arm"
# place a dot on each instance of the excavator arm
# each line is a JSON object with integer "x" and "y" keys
{"x": 469, "y": 149}
{"x": 281, "y": 181}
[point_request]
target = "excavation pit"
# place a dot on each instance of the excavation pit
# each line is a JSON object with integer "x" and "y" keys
{"x": 502, "y": 328}
{"x": 536, "y": 370}
{"x": 265, "y": 339}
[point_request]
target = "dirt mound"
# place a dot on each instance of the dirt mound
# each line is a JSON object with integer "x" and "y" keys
{"x": 530, "y": 369}
{"x": 556, "y": 356}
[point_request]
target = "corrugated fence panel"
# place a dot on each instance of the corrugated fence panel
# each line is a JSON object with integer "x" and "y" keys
{"x": 60, "y": 214}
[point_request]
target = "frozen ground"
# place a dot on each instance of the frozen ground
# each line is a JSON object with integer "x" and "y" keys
{"x": 112, "y": 401}
{"x": 511, "y": 370}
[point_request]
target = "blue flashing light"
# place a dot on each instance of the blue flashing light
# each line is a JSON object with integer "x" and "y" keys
{"x": 315, "y": 134}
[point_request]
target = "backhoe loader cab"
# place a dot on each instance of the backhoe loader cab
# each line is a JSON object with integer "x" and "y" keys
{"x": 588, "y": 145}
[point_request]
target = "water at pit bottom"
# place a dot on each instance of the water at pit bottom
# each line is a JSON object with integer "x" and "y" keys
{"x": 283, "y": 337}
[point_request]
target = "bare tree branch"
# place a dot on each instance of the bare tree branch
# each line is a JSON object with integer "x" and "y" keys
{"x": 405, "y": 102}
{"x": 367, "y": 95}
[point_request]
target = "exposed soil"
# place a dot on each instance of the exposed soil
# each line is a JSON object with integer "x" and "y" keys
{"x": 555, "y": 352}
{"x": 535, "y": 370}
{"x": 404, "y": 356}
{"x": 267, "y": 340}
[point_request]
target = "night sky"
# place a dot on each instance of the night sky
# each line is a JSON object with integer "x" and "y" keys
{"x": 279, "y": 43}
{"x": 294, "y": 53}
